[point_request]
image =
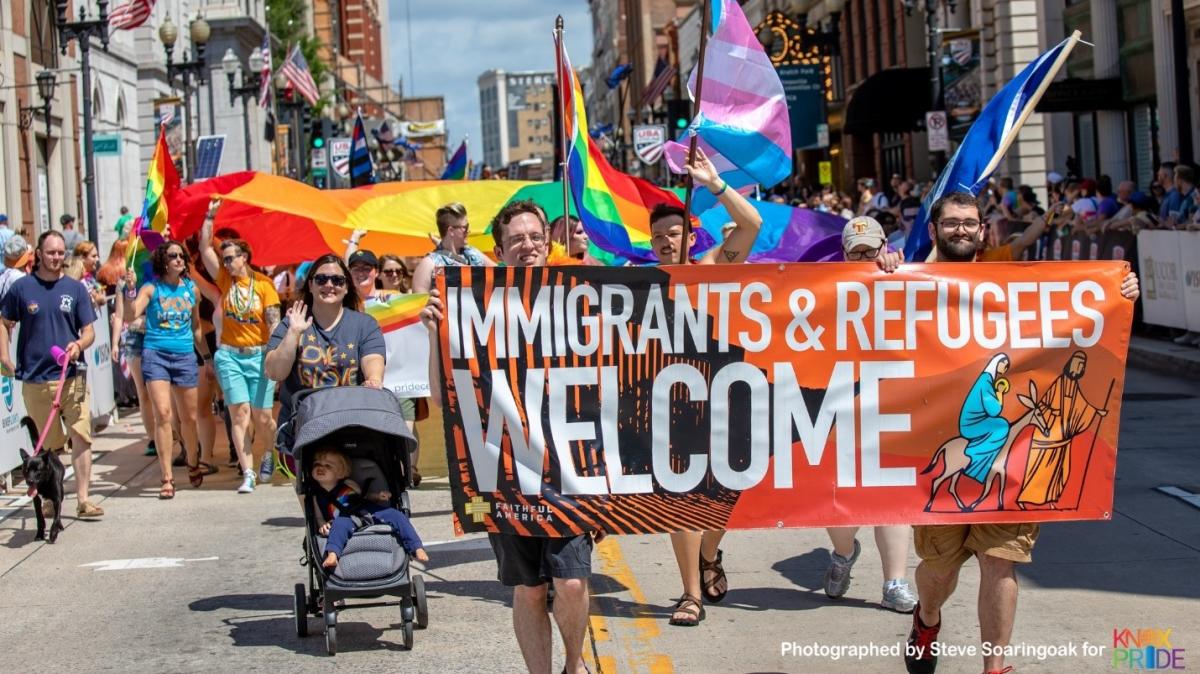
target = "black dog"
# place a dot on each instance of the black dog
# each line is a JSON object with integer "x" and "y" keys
{"x": 44, "y": 472}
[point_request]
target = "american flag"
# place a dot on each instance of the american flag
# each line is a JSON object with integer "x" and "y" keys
{"x": 130, "y": 15}
{"x": 655, "y": 88}
{"x": 264, "y": 91}
{"x": 295, "y": 69}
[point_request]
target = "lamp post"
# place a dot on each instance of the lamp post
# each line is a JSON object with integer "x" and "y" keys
{"x": 251, "y": 85}
{"x": 186, "y": 70}
{"x": 933, "y": 48}
{"x": 45, "y": 86}
{"x": 83, "y": 31}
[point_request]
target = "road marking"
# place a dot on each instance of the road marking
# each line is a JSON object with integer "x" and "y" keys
{"x": 638, "y": 650}
{"x": 1181, "y": 494}
{"x": 145, "y": 563}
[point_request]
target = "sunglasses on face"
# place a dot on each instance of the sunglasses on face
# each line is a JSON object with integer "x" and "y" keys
{"x": 337, "y": 280}
{"x": 176, "y": 256}
{"x": 228, "y": 259}
{"x": 393, "y": 272}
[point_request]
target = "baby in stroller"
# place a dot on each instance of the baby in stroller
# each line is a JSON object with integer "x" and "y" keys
{"x": 339, "y": 500}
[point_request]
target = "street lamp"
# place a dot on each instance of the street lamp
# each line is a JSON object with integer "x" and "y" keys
{"x": 251, "y": 86}
{"x": 199, "y": 31}
{"x": 45, "y": 86}
{"x": 83, "y": 31}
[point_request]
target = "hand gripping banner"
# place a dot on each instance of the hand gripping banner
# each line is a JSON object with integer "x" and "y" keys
{"x": 640, "y": 400}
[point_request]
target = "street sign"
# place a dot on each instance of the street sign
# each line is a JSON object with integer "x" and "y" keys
{"x": 825, "y": 172}
{"x": 648, "y": 142}
{"x": 804, "y": 91}
{"x": 208, "y": 156}
{"x": 106, "y": 145}
{"x": 822, "y": 135}
{"x": 318, "y": 161}
{"x": 939, "y": 135}
{"x": 339, "y": 156}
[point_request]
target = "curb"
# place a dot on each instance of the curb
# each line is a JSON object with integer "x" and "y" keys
{"x": 1164, "y": 357}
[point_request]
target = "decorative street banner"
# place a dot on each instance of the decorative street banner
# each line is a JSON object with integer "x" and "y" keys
{"x": 407, "y": 356}
{"x": 804, "y": 89}
{"x": 1160, "y": 262}
{"x": 638, "y": 400}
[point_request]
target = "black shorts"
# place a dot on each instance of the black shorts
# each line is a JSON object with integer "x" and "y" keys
{"x": 534, "y": 560}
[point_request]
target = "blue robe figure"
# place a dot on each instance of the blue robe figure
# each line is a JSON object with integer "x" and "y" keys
{"x": 980, "y": 422}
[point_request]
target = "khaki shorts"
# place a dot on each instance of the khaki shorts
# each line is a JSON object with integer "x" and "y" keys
{"x": 76, "y": 412}
{"x": 949, "y": 545}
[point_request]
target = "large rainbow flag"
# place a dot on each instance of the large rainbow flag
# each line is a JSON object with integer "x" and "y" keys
{"x": 613, "y": 206}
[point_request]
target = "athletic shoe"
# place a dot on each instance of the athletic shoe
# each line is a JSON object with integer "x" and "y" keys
{"x": 837, "y": 576}
{"x": 247, "y": 483}
{"x": 898, "y": 596}
{"x": 150, "y": 450}
{"x": 1187, "y": 338}
{"x": 918, "y": 653}
{"x": 266, "y": 468}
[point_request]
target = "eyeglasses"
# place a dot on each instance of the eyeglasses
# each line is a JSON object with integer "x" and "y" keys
{"x": 176, "y": 256}
{"x": 464, "y": 225}
{"x": 531, "y": 239}
{"x": 951, "y": 224}
{"x": 338, "y": 281}
{"x": 868, "y": 254}
{"x": 394, "y": 272}
{"x": 228, "y": 259}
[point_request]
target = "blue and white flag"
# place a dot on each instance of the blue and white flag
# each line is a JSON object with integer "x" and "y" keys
{"x": 988, "y": 140}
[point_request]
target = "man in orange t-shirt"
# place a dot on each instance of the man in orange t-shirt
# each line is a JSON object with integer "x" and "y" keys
{"x": 249, "y": 312}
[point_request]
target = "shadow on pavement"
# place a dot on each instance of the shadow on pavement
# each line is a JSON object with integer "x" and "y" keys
{"x": 244, "y": 602}
{"x": 281, "y": 632}
{"x": 284, "y": 522}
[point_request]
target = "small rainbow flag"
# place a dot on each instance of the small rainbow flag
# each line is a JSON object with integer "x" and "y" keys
{"x": 399, "y": 311}
{"x": 613, "y": 206}
{"x": 456, "y": 169}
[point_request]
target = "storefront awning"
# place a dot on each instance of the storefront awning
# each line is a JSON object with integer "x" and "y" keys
{"x": 890, "y": 101}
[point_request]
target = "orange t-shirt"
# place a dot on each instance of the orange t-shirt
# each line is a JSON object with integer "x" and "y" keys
{"x": 244, "y": 307}
{"x": 1002, "y": 253}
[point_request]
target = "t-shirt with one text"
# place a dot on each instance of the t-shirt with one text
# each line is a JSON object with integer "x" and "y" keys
{"x": 328, "y": 357}
{"x": 50, "y": 313}
{"x": 244, "y": 304}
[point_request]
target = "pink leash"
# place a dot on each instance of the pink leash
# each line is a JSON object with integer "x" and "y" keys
{"x": 60, "y": 356}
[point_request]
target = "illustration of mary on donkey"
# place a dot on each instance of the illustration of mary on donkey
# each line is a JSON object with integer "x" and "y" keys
{"x": 980, "y": 421}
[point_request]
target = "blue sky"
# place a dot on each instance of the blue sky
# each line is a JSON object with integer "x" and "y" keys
{"x": 455, "y": 41}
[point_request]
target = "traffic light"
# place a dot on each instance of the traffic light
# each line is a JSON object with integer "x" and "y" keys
{"x": 317, "y": 134}
{"x": 679, "y": 114}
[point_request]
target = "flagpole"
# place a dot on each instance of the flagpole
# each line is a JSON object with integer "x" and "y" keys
{"x": 564, "y": 94}
{"x": 691, "y": 184}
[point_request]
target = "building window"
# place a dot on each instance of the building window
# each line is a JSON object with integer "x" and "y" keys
{"x": 892, "y": 145}
{"x": 43, "y": 48}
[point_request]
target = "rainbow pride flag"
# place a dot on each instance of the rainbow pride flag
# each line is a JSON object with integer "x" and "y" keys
{"x": 406, "y": 342}
{"x": 613, "y": 206}
{"x": 150, "y": 228}
{"x": 457, "y": 168}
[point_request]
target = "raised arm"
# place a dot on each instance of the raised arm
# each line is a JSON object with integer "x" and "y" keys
{"x": 1029, "y": 237}
{"x": 279, "y": 361}
{"x": 207, "y": 254}
{"x": 736, "y": 247}
{"x": 136, "y": 301}
{"x": 352, "y": 244}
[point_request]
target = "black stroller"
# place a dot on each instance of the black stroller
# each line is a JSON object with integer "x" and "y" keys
{"x": 368, "y": 426}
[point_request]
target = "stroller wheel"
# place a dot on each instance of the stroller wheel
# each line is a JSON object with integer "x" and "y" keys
{"x": 407, "y": 628}
{"x": 301, "y": 611}
{"x": 331, "y": 632}
{"x": 418, "y": 592}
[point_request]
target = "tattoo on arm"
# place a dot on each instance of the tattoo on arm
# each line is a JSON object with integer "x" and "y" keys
{"x": 272, "y": 315}
{"x": 731, "y": 255}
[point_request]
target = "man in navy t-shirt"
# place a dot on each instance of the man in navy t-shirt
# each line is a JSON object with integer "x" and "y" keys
{"x": 53, "y": 310}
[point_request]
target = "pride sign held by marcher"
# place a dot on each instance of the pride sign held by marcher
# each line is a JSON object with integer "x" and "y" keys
{"x": 644, "y": 400}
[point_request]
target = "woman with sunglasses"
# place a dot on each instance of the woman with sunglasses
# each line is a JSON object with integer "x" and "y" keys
{"x": 393, "y": 275}
{"x": 325, "y": 340}
{"x": 171, "y": 305}
{"x": 249, "y": 312}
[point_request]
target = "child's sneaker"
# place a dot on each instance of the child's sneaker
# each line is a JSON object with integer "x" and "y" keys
{"x": 247, "y": 483}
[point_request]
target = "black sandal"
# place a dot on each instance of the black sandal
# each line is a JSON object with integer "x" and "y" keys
{"x": 707, "y": 586}
{"x": 689, "y": 606}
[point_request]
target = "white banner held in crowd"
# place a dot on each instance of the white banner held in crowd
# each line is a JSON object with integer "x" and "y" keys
{"x": 100, "y": 368}
{"x": 1159, "y": 261}
{"x": 13, "y": 436}
{"x": 407, "y": 372}
{"x": 1189, "y": 258}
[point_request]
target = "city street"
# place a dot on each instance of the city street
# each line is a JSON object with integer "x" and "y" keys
{"x": 204, "y": 582}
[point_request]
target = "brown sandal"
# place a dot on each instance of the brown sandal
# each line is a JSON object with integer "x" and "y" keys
{"x": 167, "y": 491}
{"x": 689, "y": 606}
{"x": 196, "y": 475}
{"x": 707, "y": 586}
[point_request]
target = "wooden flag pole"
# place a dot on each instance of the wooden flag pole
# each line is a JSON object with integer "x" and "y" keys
{"x": 687, "y": 201}
{"x": 565, "y": 93}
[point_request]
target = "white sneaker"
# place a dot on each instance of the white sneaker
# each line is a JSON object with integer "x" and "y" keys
{"x": 247, "y": 483}
{"x": 1187, "y": 339}
{"x": 898, "y": 596}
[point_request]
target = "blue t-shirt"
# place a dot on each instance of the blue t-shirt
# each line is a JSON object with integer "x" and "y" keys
{"x": 169, "y": 317}
{"x": 50, "y": 313}
{"x": 330, "y": 357}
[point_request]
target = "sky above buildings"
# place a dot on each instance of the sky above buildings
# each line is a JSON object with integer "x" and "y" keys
{"x": 455, "y": 41}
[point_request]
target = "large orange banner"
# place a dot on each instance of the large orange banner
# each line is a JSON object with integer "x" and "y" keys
{"x": 640, "y": 400}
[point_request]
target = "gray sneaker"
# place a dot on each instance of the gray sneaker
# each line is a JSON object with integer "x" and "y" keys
{"x": 267, "y": 468}
{"x": 898, "y": 596}
{"x": 837, "y": 576}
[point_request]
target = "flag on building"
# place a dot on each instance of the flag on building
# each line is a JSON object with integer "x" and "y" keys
{"x": 988, "y": 139}
{"x": 663, "y": 74}
{"x": 264, "y": 90}
{"x": 362, "y": 172}
{"x": 614, "y": 207}
{"x": 130, "y": 15}
{"x": 456, "y": 169}
{"x": 742, "y": 121}
{"x": 295, "y": 69}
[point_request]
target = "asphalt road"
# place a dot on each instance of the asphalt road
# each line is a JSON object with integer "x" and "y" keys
{"x": 204, "y": 583}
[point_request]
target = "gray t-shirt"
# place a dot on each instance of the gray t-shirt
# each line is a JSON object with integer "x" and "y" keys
{"x": 330, "y": 357}
{"x": 72, "y": 238}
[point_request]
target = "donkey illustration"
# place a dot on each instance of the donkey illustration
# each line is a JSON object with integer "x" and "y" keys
{"x": 954, "y": 451}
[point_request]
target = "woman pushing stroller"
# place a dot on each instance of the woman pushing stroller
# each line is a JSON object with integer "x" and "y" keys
{"x": 339, "y": 499}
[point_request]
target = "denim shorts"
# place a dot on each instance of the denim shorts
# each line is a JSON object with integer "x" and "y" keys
{"x": 133, "y": 343}
{"x": 179, "y": 369}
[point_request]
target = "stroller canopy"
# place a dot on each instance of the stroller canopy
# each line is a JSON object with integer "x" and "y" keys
{"x": 324, "y": 411}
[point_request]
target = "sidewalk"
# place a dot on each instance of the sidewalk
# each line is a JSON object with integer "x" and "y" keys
{"x": 1164, "y": 356}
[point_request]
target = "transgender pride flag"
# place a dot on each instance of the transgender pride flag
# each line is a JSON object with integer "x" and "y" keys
{"x": 742, "y": 121}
